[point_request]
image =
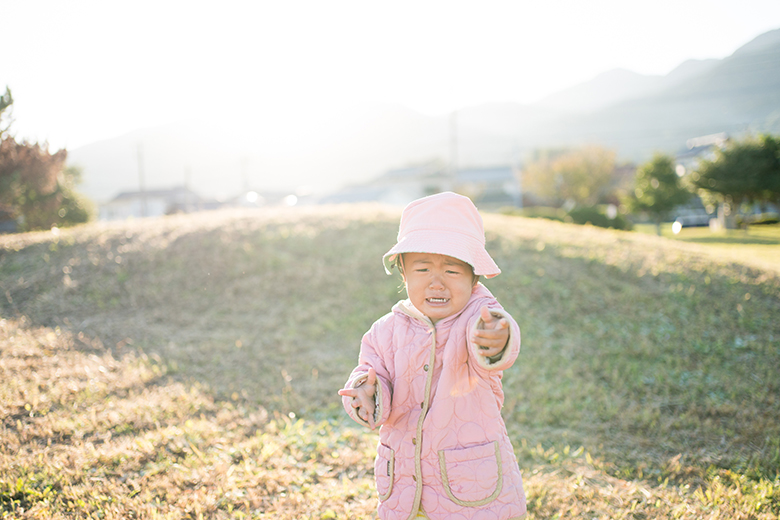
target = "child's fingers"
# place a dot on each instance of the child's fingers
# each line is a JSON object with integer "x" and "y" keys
{"x": 490, "y": 351}
{"x": 371, "y": 377}
{"x": 369, "y": 407}
{"x": 487, "y": 316}
{"x": 491, "y": 321}
{"x": 498, "y": 324}
{"x": 365, "y": 412}
{"x": 491, "y": 342}
{"x": 363, "y": 397}
{"x": 485, "y": 344}
{"x": 369, "y": 382}
{"x": 481, "y": 336}
{"x": 502, "y": 332}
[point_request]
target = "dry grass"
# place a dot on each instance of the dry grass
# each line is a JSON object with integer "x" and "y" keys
{"x": 87, "y": 435}
{"x": 186, "y": 367}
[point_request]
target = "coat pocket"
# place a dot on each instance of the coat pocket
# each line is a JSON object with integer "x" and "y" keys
{"x": 472, "y": 477}
{"x": 384, "y": 471}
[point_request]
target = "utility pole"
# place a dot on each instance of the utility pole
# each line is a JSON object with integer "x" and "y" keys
{"x": 245, "y": 174}
{"x": 141, "y": 187}
{"x": 517, "y": 169}
{"x": 453, "y": 169}
{"x": 187, "y": 199}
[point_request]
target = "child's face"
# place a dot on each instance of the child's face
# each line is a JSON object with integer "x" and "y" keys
{"x": 438, "y": 285}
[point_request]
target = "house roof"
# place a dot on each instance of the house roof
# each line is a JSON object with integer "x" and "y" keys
{"x": 492, "y": 174}
{"x": 413, "y": 172}
{"x": 718, "y": 139}
{"x": 166, "y": 193}
{"x": 702, "y": 146}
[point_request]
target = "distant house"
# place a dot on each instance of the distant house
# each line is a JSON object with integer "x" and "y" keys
{"x": 151, "y": 203}
{"x": 396, "y": 187}
{"x": 699, "y": 149}
{"x": 154, "y": 203}
{"x": 488, "y": 187}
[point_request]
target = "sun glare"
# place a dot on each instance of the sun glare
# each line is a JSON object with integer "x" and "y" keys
{"x": 287, "y": 66}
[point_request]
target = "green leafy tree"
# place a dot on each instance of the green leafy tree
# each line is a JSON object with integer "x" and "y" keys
{"x": 580, "y": 177}
{"x": 745, "y": 172}
{"x": 74, "y": 208}
{"x": 657, "y": 190}
{"x": 6, "y": 100}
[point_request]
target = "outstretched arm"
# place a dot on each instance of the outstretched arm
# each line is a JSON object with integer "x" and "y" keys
{"x": 368, "y": 392}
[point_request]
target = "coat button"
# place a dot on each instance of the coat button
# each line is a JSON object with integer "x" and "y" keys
{"x": 414, "y": 477}
{"x": 425, "y": 368}
{"x": 422, "y": 405}
{"x": 414, "y": 441}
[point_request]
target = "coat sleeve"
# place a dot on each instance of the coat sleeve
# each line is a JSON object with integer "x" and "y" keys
{"x": 371, "y": 356}
{"x": 507, "y": 357}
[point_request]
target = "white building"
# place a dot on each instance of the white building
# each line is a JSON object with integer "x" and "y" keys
{"x": 486, "y": 186}
{"x": 150, "y": 203}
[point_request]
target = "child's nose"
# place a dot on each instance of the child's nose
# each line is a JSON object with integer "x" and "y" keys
{"x": 436, "y": 281}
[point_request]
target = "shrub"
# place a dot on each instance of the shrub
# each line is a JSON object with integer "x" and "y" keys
{"x": 593, "y": 215}
{"x": 535, "y": 212}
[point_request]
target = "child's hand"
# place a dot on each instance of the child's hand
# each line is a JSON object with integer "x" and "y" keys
{"x": 492, "y": 336}
{"x": 363, "y": 398}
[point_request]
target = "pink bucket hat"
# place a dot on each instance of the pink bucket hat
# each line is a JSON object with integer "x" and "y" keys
{"x": 446, "y": 224}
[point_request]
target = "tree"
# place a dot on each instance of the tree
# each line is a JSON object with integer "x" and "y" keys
{"x": 36, "y": 190}
{"x": 74, "y": 208}
{"x": 579, "y": 177}
{"x": 6, "y": 100}
{"x": 657, "y": 190}
{"x": 745, "y": 172}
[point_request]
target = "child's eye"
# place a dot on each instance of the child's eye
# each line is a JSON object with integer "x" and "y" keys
{"x": 454, "y": 272}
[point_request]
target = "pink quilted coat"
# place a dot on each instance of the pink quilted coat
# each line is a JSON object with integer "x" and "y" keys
{"x": 443, "y": 445}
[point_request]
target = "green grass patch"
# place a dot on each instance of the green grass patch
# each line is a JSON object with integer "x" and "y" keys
{"x": 187, "y": 367}
{"x": 759, "y": 245}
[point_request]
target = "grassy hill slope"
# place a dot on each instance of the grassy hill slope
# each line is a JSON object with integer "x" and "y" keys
{"x": 189, "y": 365}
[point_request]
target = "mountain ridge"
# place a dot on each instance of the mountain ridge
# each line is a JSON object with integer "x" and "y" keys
{"x": 638, "y": 116}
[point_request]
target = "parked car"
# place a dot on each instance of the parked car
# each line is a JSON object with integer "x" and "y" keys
{"x": 698, "y": 220}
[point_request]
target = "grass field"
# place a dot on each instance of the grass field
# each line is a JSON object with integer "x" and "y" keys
{"x": 187, "y": 367}
{"x": 759, "y": 245}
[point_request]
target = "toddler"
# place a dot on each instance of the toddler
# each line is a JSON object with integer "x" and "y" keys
{"x": 429, "y": 374}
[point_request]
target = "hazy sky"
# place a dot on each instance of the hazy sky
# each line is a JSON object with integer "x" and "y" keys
{"x": 82, "y": 71}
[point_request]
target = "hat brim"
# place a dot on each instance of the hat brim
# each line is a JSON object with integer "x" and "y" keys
{"x": 453, "y": 244}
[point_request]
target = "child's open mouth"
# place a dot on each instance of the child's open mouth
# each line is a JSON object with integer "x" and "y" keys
{"x": 437, "y": 301}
